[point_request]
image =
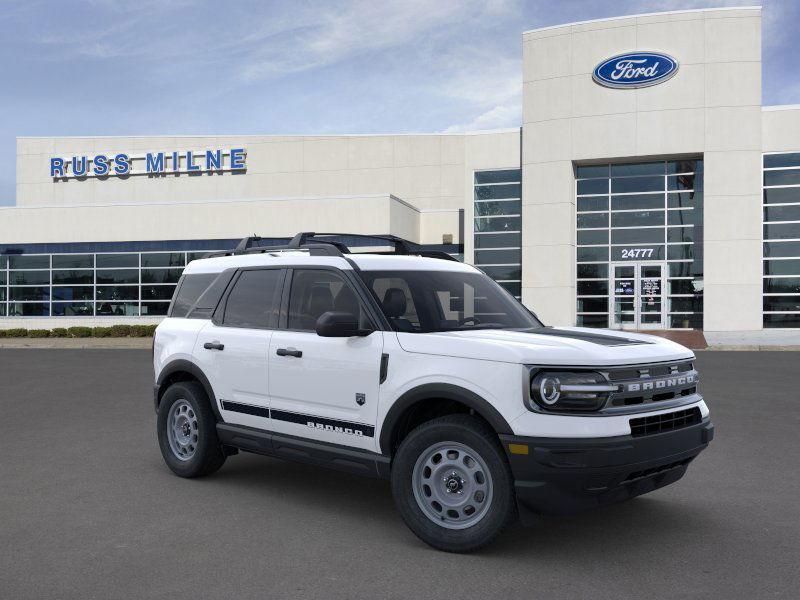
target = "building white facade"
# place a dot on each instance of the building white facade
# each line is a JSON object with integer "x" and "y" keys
{"x": 675, "y": 205}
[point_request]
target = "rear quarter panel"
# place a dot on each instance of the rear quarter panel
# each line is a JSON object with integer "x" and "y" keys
{"x": 175, "y": 339}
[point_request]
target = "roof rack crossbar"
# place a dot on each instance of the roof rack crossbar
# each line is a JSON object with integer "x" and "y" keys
{"x": 316, "y": 246}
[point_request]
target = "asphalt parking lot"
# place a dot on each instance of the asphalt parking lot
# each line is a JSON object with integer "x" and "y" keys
{"x": 88, "y": 509}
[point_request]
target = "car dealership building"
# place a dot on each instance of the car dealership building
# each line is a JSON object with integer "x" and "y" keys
{"x": 647, "y": 188}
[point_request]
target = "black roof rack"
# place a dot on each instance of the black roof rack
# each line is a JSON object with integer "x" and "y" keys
{"x": 317, "y": 245}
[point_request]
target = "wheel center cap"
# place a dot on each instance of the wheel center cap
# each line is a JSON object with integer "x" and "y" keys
{"x": 453, "y": 484}
{"x": 185, "y": 429}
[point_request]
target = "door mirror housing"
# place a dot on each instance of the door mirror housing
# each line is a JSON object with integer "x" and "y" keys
{"x": 340, "y": 324}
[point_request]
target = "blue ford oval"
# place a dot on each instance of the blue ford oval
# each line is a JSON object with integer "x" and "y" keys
{"x": 635, "y": 70}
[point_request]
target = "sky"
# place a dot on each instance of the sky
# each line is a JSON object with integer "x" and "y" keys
{"x": 174, "y": 67}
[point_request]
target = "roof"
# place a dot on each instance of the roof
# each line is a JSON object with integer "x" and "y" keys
{"x": 367, "y": 262}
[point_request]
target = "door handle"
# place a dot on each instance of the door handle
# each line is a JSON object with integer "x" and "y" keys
{"x": 214, "y": 346}
{"x": 289, "y": 352}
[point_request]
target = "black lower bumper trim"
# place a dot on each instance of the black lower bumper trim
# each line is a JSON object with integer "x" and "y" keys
{"x": 562, "y": 476}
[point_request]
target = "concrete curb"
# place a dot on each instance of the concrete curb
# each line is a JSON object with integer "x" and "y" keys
{"x": 753, "y": 348}
{"x": 77, "y": 343}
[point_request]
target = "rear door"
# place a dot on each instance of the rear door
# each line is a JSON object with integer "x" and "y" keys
{"x": 324, "y": 388}
{"x": 233, "y": 349}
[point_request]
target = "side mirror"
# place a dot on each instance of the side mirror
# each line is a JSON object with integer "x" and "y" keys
{"x": 339, "y": 324}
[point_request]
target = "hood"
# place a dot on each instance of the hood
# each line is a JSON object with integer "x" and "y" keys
{"x": 573, "y": 346}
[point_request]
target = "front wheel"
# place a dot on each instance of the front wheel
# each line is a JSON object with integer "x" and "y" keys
{"x": 452, "y": 483}
{"x": 187, "y": 431}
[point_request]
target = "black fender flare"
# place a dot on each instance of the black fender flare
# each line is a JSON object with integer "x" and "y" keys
{"x": 186, "y": 366}
{"x": 445, "y": 391}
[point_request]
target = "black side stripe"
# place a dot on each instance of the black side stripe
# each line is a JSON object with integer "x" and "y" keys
{"x": 347, "y": 427}
{"x": 247, "y": 409}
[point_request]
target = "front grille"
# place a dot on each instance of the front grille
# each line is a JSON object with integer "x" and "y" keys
{"x": 645, "y": 384}
{"x": 665, "y": 422}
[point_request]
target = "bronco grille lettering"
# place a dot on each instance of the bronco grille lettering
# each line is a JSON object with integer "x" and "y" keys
{"x": 658, "y": 384}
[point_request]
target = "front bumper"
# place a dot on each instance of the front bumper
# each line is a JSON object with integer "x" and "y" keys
{"x": 565, "y": 475}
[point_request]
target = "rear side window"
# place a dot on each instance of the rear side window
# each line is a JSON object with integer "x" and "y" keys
{"x": 254, "y": 300}
{"x": 189, "y": 291}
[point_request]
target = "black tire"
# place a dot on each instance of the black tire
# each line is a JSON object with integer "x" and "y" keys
{"x": 475, "y": 434}
{"x": 208, "y": 455}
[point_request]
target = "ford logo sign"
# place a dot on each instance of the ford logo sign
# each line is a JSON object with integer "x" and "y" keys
{"x": 635, "y": 70}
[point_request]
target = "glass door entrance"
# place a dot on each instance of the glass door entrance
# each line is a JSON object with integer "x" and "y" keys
{"x": 637, "y": 295}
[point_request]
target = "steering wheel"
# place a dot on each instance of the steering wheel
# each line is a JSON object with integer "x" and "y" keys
{"x": 465, "y": 320}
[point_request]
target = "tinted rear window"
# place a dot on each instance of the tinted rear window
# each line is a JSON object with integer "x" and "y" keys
{"x": 254, "y": 300}
{"x": 189, "y": 291}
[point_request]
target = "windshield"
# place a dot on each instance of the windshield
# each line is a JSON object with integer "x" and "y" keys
{"x": 428, "y": 301}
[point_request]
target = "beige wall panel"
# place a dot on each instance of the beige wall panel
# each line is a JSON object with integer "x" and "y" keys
{"x": 590, "y": 99}
{"x": 547, "y": 99}
{"x": 551, "y": 261}
{"x": 732, "y": 38}
{"x": 370, "y": 152}
{"x": 434, "y": 224}
{"x": 417, "y": 150}
{"x": 731, "y": 128}
{"x": 655, "y": 132}
{"x": 681, "y": 38}
{"x": 325, "y": 154}
{"x": 732, "y": 307}
{"x": 781, "y": 130}
{"x": 590, "y": 45}
{"x": 732, "y": 174}
{"x": 603, "y": 136}
{"x": 684, "y": 90}
{"x": 547, "y": 57}
{"x": 275, "y": 157}
{"x": 553, "y": 305}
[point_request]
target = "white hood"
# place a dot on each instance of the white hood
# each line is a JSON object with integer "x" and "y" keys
{"x": 573, "y": 346}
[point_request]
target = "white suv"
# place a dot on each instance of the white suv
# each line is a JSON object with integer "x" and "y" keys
{"x": 411, "y": 367}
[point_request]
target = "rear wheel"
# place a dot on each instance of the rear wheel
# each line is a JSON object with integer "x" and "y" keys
{"x": 452, "y": 484}
{"x": 187, "y": 432}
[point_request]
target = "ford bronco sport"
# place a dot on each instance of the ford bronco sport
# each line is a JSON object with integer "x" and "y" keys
{"x": 411, "y": 366}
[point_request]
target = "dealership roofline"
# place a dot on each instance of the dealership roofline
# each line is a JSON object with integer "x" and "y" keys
{"x": 232, "y": 200}
{"x": 262, "y": 135}
{"x": 781, "y": 107}
{"x": 652, "y": 14}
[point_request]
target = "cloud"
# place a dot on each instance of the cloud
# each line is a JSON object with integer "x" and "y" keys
{"x": 498, "y": 117}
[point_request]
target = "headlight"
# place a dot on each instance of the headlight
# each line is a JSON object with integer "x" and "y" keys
{"x": 570, "y": 391}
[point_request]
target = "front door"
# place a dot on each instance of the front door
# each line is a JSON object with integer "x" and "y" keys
{"x": 324, "y": 388}
{"x": 636, "y": 300}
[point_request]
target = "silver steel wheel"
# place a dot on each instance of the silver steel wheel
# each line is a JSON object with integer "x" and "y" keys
{"x": 182, "y": 430}
{"x": 452, "y": 485}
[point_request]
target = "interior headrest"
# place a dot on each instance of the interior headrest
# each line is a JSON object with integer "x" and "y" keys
{"x": 394, "y": 303}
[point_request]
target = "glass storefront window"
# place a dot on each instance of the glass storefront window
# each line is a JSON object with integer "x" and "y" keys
{"x": 33, "y": 261}
{"x": 781, "y": 247}
{"x": 497, "y": 226}
{"x": 65, "y": 277}
{"x": 117, "y": 276}
{"x": 638, "y": 213}
{"x": 73, "y": 261}
{"x": 29, "y": 277}
{"x": 110, "y": 261}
